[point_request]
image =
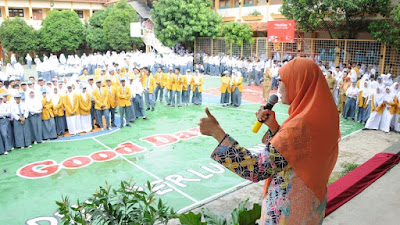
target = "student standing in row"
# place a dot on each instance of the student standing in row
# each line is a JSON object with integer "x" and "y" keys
{"x": 390, "y": 102}
{"x": 237, "y": 89}
{"x": 169, "y": 77}
{"x": 351, "y": 102}
{"x": 71, "y": 103}
{"x": 85, "y": 104}
{"x": 160, "y": 84}
{"x": 49, "y": 125}
{"x": 138, "y": 100}
{"x": 176, "y": 88}
{"x": 112, "y": 99}
{"x": 100, "y": 96}
{"x": 124, "y": 103}
{"x": 22, "y": 131}
{"x": 34, "y": 105}
{"x": 5, "y": 114}
{"x": 58, "y": 110}
{"x": 148, "y": 86}
{"x": 377, "y": 108}
{"x": 196, "y": 84}
{"x": 225, "y": 88}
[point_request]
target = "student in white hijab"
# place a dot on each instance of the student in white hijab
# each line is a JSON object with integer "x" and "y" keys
{"x": 377, "y": 108}
{"x": 59, "y": 114}
{"x": 363, "y": 100}
{"x": 85, "y": 104}
{"x": 196, "y": 84}
{"x": 395, "y": 90}
{"x": 237, "y": 88}
{"x": 390, "y": 101}
{"x": 49, "y": 125}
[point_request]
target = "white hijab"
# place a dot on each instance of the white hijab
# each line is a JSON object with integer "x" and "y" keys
{"x": 389, "y": 97}
{"x": 378, "y": 97}
{"x": 365, "y": 90}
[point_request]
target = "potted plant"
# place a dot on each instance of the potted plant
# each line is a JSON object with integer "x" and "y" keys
{"x": 229, "y": 18}
{"x": 253, "y": 16}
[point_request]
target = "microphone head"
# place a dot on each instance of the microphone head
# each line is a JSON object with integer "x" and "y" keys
{"x": 273, "y": 99}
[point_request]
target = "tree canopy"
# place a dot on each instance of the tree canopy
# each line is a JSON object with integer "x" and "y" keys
{"x": 117, "y": 26}
{"x": 237, "y": 33}
{"x": 184, "y": 20}
{"x": 387, "y": 30}
{"x": 61, "y": 31}
{"x": 342, "y": 19}
{"x": 95, "y": 37}
{"x": 17, "y": 36}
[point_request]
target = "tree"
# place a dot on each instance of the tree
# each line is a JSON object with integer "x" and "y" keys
{"x": 95, "y": 37}
{"x": 184, "y": 20}
{"x": 237, "y": 33}
{"x": 17, "y": 36}
{"x": 387, "y": 30}
{"x": 61, "y": 31}
{"x": 343, "y": 19}
{"x": 117, "y": 26}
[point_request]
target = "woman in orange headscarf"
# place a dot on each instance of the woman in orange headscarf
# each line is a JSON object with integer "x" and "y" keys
{"x": 299, "y": 155}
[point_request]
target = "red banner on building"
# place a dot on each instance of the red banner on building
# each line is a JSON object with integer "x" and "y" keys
{"x": 281, "y": 31}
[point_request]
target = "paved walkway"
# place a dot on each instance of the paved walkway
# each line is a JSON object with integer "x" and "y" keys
{"x": 378, "y": 204}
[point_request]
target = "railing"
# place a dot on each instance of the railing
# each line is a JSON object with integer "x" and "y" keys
{"x": 325, "y": 50}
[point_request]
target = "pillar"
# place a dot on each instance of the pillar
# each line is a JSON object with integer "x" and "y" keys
{"x": 6, "y": 8}
{"x": 382, "y": 58}
{"x": 30, "y": 10}
{"x": 216, "y": 4}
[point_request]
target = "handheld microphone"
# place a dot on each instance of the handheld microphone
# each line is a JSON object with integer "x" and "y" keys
{"x": 273, "y": 99}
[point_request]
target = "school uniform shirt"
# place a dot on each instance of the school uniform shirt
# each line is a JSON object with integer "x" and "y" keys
{"x": 184, "y": 82}
{"x": 112, "y": 96}
{"x": 177, "y": 83}
{"x": 47, "y": 111}
{"x": 124, "y": 96}
{"x": 170, "y": 81}
{"x": 34, "y": 105}
{"x": 225, "y": 85}
{"x": 4, "y": 110}
{"x": 19, "y": 110}
{"x": 138, "y": 87}
{"x": 85, "y": 103}
{"x": 58, "y": 107}
{"x": 352, "y": 92}
{"x": 237, "y": 82}
{"x": 197, "y": 81}
{"x": 100, "y": 97}
{"x": 71, "y": 103}
{"x": 149, "y": 83}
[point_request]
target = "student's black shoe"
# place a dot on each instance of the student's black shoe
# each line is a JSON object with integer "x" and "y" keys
{"x": 113, "y": 125}
{"x": 152, "y": 109}
{"x": 147, "y": 109}
{"x": 128, "y": 125}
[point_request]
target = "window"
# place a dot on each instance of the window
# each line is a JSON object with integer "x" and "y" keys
{"x": 80, "y": 13}
{"x": 245, "y": 3}
{"x": 224, "y": 4}
{"x": 16, "y": 12}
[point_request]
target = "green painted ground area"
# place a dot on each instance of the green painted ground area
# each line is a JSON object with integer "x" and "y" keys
{"x": 182, "y": 171}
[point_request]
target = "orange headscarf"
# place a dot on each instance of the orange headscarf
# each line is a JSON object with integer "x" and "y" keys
{"x": 309, "y": 138}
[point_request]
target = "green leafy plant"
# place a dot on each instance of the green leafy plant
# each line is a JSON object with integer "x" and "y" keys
{"x": 237, "y": 33}
{"x": 347, "y": 168}
{"x": 240, "y": 216}
{"x": 116, "y": 27}
{"x": 61, "y": 31}
{"x": 255, "y": 13}
{"x": 17, "y": 36}
{"x": 182, "y": 21}
{"x": 343, "y": 19}
{"x": 388, "y": 30}
{"x": 124, "y": 205}
{"x": 95, "y": 37}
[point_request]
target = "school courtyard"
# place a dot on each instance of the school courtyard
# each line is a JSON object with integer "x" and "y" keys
{"x": 167, "y": 150}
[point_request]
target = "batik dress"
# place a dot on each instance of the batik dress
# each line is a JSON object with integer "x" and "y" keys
{"x": 288, "y": 200}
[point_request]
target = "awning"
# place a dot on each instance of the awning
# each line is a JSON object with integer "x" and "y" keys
{"x": 141, "y": 8}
